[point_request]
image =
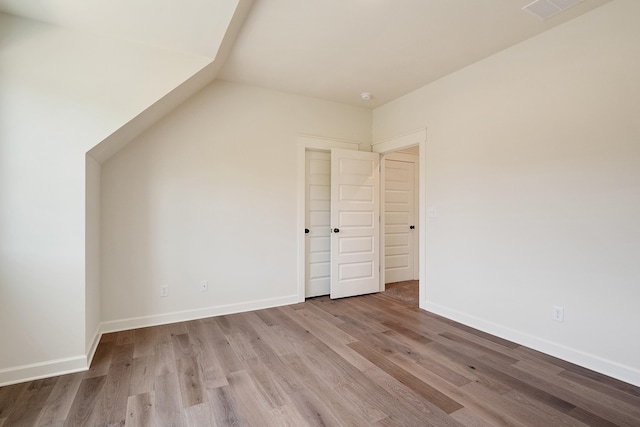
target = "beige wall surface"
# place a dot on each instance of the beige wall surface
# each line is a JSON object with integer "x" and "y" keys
{"x": 533, "y": 165}
{"x": 210, "y": 193}
{"x": 60, "y": 94}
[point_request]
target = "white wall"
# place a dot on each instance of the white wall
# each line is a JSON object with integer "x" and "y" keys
{"x": 533, "y": 163}
{"x": 209, "y": 193}
{"x": 61, "y": 92}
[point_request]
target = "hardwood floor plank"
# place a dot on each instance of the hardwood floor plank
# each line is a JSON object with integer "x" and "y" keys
{"x": 292, "y": 330}
{"x": 143, "y": 373}
{"x": 140, "y": 410}
{"x": 200, "y": 415}
{"x": 287, "y": 416}
{"x": 164, "y": 359}
{"x": 225, "y": 408}
{"x": 82, "y": 407}
{"x": 406, "y": 406}
{"x": 318, "y": 327}
{"x": 423, "y": 360}
{"x": 254, "y": 409}
{"x": 212, "y": 374}
{"x": 590, "y": 418}
{"x": 168, "y": 401}
{"x": 178, "y": 328}
{"x": 313, "y": 410}
{"x": 266, "y": 382}
{"x": 406, "y": 332}
{"x": 111, "y": 407}
{"x": 511, "y": 413}
{"x": 351, "y": 415}
{"x": 472, "y": 401}
{"x": 470, "y": 418}
{"x": 58, "y": 405}
{"x": 267, "y": 315}
{"x": 182, "y": 346}
{"x": 484, "y": 350}
{"x": 539, "y": 412}
{"x": 280, "y": 344}
{"x": 329, "y": 341}
{"x": 323, "y": 314}
{"x": 432, "y": 395}
{"x": 191, "y": 387}
{"x": 241, "y": 346}
{"x": 9, "y": 396}
{"x": 28, "y": 407}
{"x": 145, "y": 341}
{"x": 222, "y": 348}
{"x": 468, "y": 362}
{"x": 126, "y": 337}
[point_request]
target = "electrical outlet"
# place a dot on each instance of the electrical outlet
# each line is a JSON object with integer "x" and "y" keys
{"x": 432, "y": 212}
{"x": 204, "y": 286}
{"x": 558, "y": 313}
{"x": 164, "y": 290}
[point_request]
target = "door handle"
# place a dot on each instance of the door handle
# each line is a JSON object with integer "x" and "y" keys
{"x": 336, "y": 230}
{"x": 411, "y": 227}
{"x": 306, "y": 231}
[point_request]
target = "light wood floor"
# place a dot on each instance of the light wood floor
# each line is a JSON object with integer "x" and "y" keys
{"x": 364, "y": 361}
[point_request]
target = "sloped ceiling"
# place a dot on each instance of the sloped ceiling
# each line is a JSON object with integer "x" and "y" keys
{"x": 193, "y": 26}
{"x": 337, "y": 49}
{"x": 331, "y": 49}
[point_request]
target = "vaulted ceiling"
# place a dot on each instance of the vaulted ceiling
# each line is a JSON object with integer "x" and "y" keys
{"x": 331, "y": 49}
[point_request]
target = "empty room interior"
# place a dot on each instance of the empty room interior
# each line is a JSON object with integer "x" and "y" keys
{"x": 206, "y": 207}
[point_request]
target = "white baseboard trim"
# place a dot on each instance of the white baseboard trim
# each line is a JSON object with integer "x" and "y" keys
{"x": 200, "y": 313}
{"x": 607, "y": 367}
{"x": 91, "y": 351}
{"x": 36, "y": 371}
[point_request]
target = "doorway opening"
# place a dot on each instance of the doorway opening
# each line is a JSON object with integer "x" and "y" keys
{"x": 400, "y": 259}
{"x": 403, "y": 144}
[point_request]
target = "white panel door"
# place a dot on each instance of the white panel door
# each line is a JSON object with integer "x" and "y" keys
{"x": 318, "y": 222}
{"x": 399, "y": 199}
{"x": 355, "y": 210}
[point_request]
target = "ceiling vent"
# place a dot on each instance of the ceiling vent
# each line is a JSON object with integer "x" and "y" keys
{"x": 545, "y": 9}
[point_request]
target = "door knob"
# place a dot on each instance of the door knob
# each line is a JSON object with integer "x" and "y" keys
{"x": 411, "y": 227}
{"x": 336, "y": 230}
{"x": 306, "y": 231}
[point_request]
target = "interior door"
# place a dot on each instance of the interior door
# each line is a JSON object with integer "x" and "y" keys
{"x": 318, "y": 221}
{"x": 399, "y": 222}
{"x": 355, "y": 216}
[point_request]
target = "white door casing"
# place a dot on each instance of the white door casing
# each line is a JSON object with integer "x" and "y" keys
{"x": 399, "y": 213}
{"x": 318, "y": 221}
{"x": 355, "y": 214}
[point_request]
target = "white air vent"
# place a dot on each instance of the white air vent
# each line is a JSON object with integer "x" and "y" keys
{"x": 545, "y": 9}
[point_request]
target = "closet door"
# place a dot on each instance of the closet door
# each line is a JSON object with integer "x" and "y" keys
{"x": 355, "y": 216}
{"x": 399, "y": 209}
{"x": 318, "y": 221}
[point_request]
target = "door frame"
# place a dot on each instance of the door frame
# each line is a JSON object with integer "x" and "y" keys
{"x": 419, "y": 138}
{"x": 307, "y": 142}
